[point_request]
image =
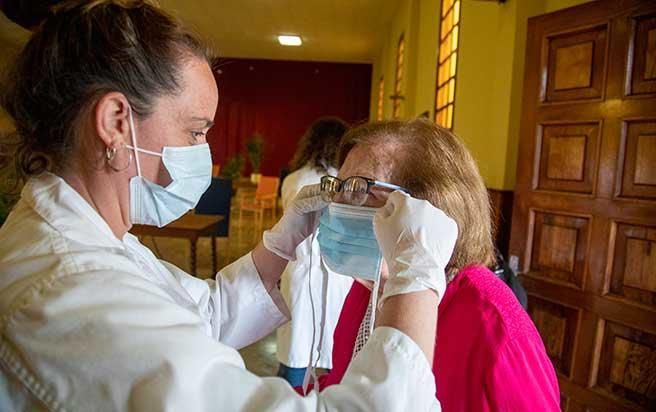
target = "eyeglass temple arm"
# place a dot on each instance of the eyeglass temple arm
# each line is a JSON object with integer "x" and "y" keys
{"x": 390, "y": 186}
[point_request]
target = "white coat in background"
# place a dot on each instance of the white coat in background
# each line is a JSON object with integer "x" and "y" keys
{"x": 89, "y": 322}
{"x": 295, "y": 338}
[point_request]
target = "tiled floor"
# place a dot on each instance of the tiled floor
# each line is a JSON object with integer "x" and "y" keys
{"x": 260, "y": 358}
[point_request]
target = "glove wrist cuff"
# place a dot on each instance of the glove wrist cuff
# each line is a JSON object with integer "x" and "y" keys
{"x": 272, "y": 242}
{"x": 409, "y": 280}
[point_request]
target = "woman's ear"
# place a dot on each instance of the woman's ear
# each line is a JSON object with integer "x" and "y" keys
{"x": 111, "y": 119}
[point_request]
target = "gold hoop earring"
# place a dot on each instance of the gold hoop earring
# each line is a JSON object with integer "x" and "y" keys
{"x": 110, "y": 156}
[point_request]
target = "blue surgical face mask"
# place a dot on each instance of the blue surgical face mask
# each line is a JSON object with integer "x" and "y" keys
{"x": 347, "y": 241}
{"x": 190, "y": 168}
{"x": 348, "y": 246}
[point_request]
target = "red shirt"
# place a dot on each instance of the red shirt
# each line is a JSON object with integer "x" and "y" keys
{"x": 488, "y": 355}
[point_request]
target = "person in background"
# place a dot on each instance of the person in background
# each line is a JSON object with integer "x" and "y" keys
{"x": 314, "y": 158}
{"x": 490, "y": 355}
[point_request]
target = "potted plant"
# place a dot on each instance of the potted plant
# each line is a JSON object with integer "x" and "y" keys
{"x": 255, "y": 151}
{"x": 234, "y": 167}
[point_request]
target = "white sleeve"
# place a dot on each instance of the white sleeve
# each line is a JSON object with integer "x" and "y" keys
{"x": 235, "y": 303}
{"x": 123, "y": 344}
{"x": 243, "y": 311}
{"x": 390, "y": 374}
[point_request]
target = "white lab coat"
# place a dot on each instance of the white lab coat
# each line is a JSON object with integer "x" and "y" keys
{"x": 295, "y": 338}
{"x": 89, "y": 322}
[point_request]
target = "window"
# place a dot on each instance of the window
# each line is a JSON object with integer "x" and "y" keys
{"x": 447, "y": 62}
{"x": 398, "y": 79}
{"x": 381, "y": 97}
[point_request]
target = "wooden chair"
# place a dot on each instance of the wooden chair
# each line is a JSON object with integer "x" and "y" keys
{"x": 265, "y": 198}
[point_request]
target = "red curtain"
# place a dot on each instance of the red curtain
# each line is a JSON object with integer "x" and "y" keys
{"x": 279, "y": 100}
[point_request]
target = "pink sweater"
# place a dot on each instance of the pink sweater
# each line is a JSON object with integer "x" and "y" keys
{"x": 488, "y": 354}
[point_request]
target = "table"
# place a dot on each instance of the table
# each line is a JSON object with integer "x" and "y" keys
{"x": 190, "y": 226}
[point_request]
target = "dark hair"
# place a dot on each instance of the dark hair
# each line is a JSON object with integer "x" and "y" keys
{"x": 81, "y": 51}
{"x": 318, "y": 146}
{"x": 433, "y": 164}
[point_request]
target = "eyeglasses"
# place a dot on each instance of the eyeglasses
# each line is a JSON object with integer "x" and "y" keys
{"x": 354, "y": 190}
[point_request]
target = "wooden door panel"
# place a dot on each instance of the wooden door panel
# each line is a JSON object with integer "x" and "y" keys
{"x": 642, "y": 60}
{"x": 627, "y": 362}
{"x": 637, "y": 170}
{"x": 567, "y": 156}
{"x": 610, "y": 308}
{"x": 632, "y": 264}
{"x": 575, "y": 63}
{"x": 584, "y": 214}
{"x": 558, "y": 247}
{"x": 557, "y": 325}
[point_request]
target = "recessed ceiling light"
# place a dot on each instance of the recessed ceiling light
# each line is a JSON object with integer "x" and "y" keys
{"x": 290, "y": 40}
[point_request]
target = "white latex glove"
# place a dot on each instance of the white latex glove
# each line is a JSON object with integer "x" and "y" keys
{"x": 417, "y": 241}
{"x": 300, "y": 219}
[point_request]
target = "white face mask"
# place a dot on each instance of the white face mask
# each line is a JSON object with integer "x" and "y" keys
{"x": 190, "y": 168}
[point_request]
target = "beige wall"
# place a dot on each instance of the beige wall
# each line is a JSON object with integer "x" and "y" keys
{"x": 416, "y": 19}
{"x": 490, "y": 74}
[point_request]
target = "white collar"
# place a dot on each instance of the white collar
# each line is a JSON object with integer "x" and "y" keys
{"x": 66, "y": 210}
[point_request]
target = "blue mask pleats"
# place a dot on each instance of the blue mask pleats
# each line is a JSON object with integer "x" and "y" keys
{"x": 347, "y": 241}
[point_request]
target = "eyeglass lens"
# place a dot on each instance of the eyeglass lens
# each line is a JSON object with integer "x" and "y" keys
{"x": 351, "y": 191}
{"x": 354, "y": 191}
{"x": 330, "y": 186}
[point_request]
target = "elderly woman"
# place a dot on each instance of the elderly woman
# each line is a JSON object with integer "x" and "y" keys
{"x": 305, "y": 279}
{"x": 488, "y": 354}
{"x": 112, "y": 100}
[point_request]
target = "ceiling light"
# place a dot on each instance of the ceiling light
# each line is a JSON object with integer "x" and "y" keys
{"x": 290, "y": 40}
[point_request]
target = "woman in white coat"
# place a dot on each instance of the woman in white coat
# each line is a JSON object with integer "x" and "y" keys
{"x": 112, "y": 100}
{"x": 304, "y": 280}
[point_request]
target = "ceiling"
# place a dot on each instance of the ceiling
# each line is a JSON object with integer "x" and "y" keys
{"x": 332, "y": 30}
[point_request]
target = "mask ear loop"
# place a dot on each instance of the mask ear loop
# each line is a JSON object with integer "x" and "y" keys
{"x": 322, "y": 326}
{"x": 374, "y": 300}
{"x": 133, "y": 136}
{"x": 309, "y": 371}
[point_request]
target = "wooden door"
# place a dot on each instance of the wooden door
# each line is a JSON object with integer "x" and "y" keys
{"x": 584, "y": 217}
